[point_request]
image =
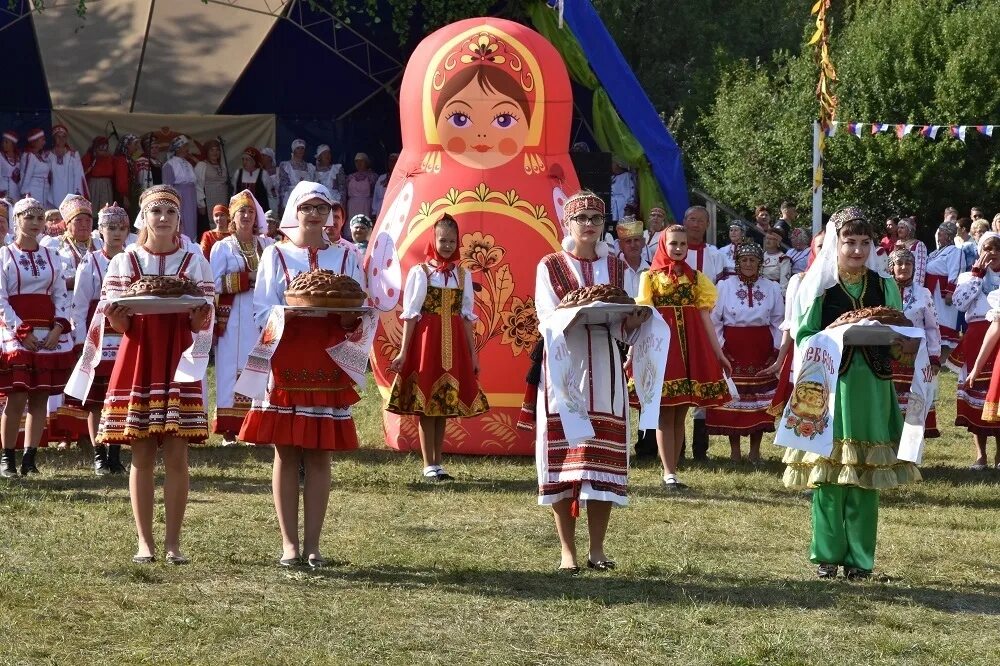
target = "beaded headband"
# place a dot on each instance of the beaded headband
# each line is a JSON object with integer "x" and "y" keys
{"x": 74, "y": 205}
{"x": 583, "y": 200}
{"x": 112, "y": 213}
{"x": 159, "y": 195}
{"x": 900, "y": 255}
{"x": 28, "y": 205}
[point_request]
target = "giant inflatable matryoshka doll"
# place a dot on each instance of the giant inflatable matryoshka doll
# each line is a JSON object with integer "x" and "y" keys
{"x": 486, "y": 108}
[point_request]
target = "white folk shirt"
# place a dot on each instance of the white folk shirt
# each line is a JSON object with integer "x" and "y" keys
{"x": 632, "y": 275}
{"x": 970, "y": 295}
{"x": 334, "y": 179}
{"x": 72, "y": 254}
{"x": 234, "y": 345}
{"x": 622, "y": 193}
{"x": 282, "y": 263}
{"x": 919, "y": 251}
{"x": 67, "y": 176}
{"x": 10, "y": 177}
{"x": 35, "y": 172}
{"x": 707, "y": 259}
{"x": 652, "y": 242}
{"x": 918, "y": 306}
{"x": 777, "y": 267}
{"x": 32, "y": 272}
{"x": 741, "y": 306}
{"x": 417, "y": 282}
{"x": 86, "y": 292}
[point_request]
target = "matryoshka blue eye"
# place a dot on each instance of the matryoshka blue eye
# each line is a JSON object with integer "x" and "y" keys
{"x": 505, "y": 120}
{"x": 459, "y": 120}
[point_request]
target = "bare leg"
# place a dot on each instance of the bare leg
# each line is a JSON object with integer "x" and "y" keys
{"x": 140, "y": 489}
{"x": 755, "y": 440}
{"x": 680, "y": 415}
{"x": 980, "y": 441}
{"x": 10, "y": 423}
{"x": 598, "y": 517}
{"x": 175, "y": 491}
{"x": 665, "y": 442}
{"x": 734, "y": 448}
{"x": 442, "y": 425}
{"x": 566, "y": 529}
{"x": 428, "y": 435}
{"x": 38, "y": 406}
{"x": 93, "y": 420}
{"x": 315, "y": 498}
{"x": 285, "y": 489}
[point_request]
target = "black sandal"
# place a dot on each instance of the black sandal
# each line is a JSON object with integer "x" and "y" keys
{"x": 827, "y": 571}
{"x": 601, "y": 565}
{"x": 572, "y": 572}
{"x": 143, "y": 559}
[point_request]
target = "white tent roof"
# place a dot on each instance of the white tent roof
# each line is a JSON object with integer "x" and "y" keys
{"x": 150, "y": 55}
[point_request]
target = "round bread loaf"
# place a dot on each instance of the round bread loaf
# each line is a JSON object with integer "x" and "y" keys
{"x": 324, "y": 288}
{"x": 598, "y": 293}
{"x": 164, "y": 286}
{"x": 881, "y": 314}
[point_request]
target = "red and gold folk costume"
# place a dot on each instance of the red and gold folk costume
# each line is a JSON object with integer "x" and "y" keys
{"x": 693, "y": 375}
{"x": 155, "y": 388}
{"x": 437, "y": 378}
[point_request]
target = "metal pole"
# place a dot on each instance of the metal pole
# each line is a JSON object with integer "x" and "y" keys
{"x": 817, "y": 190}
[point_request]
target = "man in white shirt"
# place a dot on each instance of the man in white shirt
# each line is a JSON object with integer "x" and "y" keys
{"x": 706, "y": 258}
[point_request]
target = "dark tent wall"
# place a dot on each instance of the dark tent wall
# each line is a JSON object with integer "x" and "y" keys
{"x": 24, "y": 100}
{"x": 326, "y": 84}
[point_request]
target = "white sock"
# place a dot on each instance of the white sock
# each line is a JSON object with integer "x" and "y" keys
{"x": 430, "y": 470}
{"x": 670, "y": 478}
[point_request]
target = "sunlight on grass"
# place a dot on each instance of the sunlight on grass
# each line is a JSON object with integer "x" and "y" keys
{"x": 463, "y": 573}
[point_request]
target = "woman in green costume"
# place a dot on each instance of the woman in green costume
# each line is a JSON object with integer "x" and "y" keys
{"x": 867, "y": 420}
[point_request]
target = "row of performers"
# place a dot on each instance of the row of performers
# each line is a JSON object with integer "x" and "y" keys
{"x": 302, "y": 400}
{"x": 742, "y": 329}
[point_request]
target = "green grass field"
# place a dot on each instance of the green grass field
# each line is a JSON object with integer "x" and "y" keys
{"x": 463, "y": 573}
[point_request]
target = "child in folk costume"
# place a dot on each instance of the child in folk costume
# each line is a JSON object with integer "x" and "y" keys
{"x": 222, "y": 219}
{"x": 154, "y": 395}
{"x": 302, "y": 398}
{"x": 943, "y": 268}
{"x": 970, "y": 297}
{"x": 695, "y": 363}
{"x": 747, "y": 318}
{"x": 436, "y": 376}
{"x": 36, "y": 346}
{"x": 867, "y": 423}
{"x": 113, "y": 223}
{"x": 594, "y": 473}
{"x": 234, "y": 261}
{"x": 918, "y": 306}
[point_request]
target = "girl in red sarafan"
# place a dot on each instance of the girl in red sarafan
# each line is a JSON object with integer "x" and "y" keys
{"x": 154, "y": 395}
{"x": 437, "y": 379}
{"x": 695, "y": 363}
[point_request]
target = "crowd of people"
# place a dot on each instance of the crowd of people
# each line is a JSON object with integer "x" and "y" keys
{"x": 77, "y": 364}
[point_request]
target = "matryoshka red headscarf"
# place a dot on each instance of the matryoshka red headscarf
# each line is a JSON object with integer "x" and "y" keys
{"x": 662, "y": 261}
{"x": 443, "y": 264}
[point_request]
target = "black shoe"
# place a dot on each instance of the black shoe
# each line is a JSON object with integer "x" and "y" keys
{"x": 444, "y": 476}
{"x": 853, "y": 573}
{"x": 601, "y": 565}
{"x": 290, "y": 561}
{"x": 8, "y": 464}
{"x": 645, "y": 445}
{"x": 826, "y": 571}
{"x": 572, "y": 572}
{"x": 699, "y": 445}
{"x": 316, "y": 562}
{"x": 674, "y": 486}
{"x": 115, "y": 460}
{"x": 28, "y": 465}
{"x": 143, "y": 559}
{"x": 101, "y": 465}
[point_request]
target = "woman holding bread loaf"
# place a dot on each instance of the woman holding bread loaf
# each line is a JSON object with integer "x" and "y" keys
{"x": 302, "y": 396}
{"x": 154, "y": 395}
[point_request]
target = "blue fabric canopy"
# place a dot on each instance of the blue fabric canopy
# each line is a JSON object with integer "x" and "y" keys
{"x": 630, "y": 100}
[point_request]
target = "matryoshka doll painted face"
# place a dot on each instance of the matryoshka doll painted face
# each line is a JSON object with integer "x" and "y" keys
{"x": 487, "y": 142}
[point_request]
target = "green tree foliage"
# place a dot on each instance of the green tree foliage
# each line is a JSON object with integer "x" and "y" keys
{"x": 899, "y": 61}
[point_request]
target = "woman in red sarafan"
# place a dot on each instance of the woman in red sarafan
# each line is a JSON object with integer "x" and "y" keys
{"x": 154, "y": 395}
{"x": 302, "y": 397}
{"x": 36, "y": 345}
